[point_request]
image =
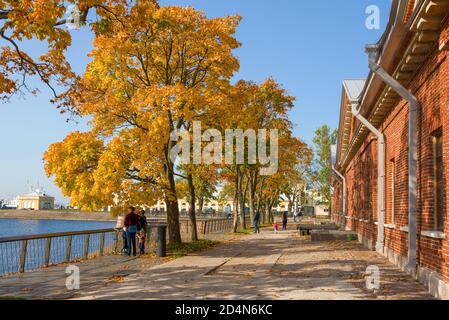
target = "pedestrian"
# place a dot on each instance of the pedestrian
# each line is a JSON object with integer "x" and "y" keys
{"x": 121, "y": 231}
{"x": 143, "y": 227}
{"x": 132, "y": 224}
{"x": 256, "y": 222}
{"x": 276, "y": 227}
{"x": 284, "y": 221}
{"x": 141, "y": 235}
{"x": 295, "y": 216}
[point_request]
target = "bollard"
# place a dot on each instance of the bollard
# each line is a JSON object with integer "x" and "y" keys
{"x": 161, "y": 249}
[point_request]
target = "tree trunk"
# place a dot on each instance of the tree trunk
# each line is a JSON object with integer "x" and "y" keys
{"x": 252, "y": 182}
{"x": 236, "y": 204}
{"x": 267, "y": 215}
{"x": 263, "y": 212}
{"x": 174, "y": 234}
{"x": 192, "y": 212}
{"x": 200, "y": 204}
{"x": 242, "y": 198}
{"x": 290, "y": 207}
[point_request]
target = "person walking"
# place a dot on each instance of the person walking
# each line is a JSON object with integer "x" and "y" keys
{"x": 132, "y": 224}
{"x": 284, "y": 221}
{"x": 256, "y": 222}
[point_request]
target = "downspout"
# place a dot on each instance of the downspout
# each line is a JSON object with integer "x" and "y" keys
{"x": 342, "y": 221}
{"x": 355, "y": 109}
{"x": 412, "y": 151}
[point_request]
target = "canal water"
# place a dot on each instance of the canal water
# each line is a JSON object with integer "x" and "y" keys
{"x": 10, "y": 252}
{"x": 19, "y": 227}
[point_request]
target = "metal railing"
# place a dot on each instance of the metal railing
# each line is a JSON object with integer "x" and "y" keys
{"x": 26, "y": 253}
{"x": 204, "y": 226}
{"x": 215, "y": 225}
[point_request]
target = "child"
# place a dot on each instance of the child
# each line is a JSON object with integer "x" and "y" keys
{"x": 141, "y": 236}
{"x": 276, "y": 227}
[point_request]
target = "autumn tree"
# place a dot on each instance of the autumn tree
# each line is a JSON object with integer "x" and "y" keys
{"x": 153, "y": 71}
{"x": 323, "y": 140}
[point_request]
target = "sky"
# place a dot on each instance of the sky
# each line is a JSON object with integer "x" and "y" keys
{"x": 309, "y": 47}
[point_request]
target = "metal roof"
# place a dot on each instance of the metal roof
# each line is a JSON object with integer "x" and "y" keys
{"x": 354, "y": 88}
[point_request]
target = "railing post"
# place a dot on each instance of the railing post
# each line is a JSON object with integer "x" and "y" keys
{"x": 68, "y": 250}
{"x": 101, "y": 251}
{"x": 116, "y": 240}
{"x": 86, "y": 246}
{"x": 204, "y": 226}
{"x": 23, "y": 255}
{"x": 47, "y": 251}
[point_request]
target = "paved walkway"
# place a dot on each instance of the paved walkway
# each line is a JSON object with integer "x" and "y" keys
{"x": 265, "y": 266}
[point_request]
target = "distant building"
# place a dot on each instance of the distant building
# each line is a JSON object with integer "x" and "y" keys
{"x": 9, "y": 204}
{"x": 36, "y": 200}
{"x": 322, "y": 210}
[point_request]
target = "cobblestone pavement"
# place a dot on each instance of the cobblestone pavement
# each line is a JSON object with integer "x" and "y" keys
{"x": 264, "y": 266}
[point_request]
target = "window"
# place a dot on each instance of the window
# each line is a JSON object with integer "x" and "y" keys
{"x": 438, "y": 176}
{"x": 392, "y": 188}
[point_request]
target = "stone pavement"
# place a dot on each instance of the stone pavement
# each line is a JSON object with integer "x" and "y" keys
{"x": 264, "y": 266}
{"x": 268, "y": 266}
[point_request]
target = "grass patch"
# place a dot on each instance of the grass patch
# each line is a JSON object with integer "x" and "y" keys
{"x": 351, "y": 237}
{"x": 12, "y": 298}
{"x": 182, "y": 250}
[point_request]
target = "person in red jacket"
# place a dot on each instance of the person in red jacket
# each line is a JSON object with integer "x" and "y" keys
{"x": 132, "y": 224}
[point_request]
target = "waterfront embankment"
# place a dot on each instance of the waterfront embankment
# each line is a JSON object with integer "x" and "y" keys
{"x": 56, "y": 215}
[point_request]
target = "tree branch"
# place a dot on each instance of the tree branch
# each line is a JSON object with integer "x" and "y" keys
{"x": 34, "y": 65}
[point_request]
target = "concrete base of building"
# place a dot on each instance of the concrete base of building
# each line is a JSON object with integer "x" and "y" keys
{"x": 368, "y": 243}
{"x": 432, "y": 280}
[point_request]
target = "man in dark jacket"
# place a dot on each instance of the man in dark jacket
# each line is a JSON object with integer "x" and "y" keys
{"x": 256, "y": 222}
{"x": 143, "y": 229}
{"x": 132, "y": 224}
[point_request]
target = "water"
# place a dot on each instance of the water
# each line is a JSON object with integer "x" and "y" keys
{"x": 19, "y": 227}
{"x": 35, "y": 253}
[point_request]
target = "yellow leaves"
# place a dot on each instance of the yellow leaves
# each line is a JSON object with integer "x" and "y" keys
{"x": 73, "y": 163}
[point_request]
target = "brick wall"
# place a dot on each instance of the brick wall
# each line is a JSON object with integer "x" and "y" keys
{"x": 431, "y": 87}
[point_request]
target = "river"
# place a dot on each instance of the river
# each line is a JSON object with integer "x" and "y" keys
{"x": 10, "y": 252}
{"x": 19, "y": 227}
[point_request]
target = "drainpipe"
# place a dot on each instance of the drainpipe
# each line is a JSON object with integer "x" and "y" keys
{"x": 355, "y": 109}
{"x": 372, "y": 51}
{"x": 343, "y": 211}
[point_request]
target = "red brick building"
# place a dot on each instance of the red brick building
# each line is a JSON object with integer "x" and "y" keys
{"x": 380, "y": 126}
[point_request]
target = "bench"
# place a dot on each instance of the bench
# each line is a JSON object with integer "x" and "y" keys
{"x": 305, "y": 229}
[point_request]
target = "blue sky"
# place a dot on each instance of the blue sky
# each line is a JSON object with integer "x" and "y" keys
{"x": 308, "y": 46}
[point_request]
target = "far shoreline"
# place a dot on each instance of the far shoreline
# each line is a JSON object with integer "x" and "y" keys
{"x": 57, "y": 215}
